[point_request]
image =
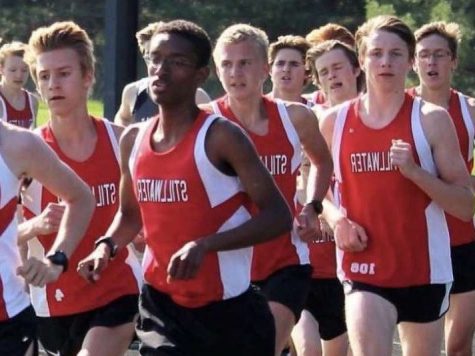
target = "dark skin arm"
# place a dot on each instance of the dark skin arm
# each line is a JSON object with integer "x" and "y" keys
{"x": 228, "y": 147}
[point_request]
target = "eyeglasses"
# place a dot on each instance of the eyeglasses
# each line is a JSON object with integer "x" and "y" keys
{"x": 170, "y": 62}
{"x": 437, "y": 55}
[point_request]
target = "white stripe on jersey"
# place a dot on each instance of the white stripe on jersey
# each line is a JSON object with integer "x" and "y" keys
{"x": 14, "y": 296}
{"x": 437, "y": 230}
{"x": 292, "y": 135}
{"x": 219, "y": 187}
{"x": 235, "y": 265}
{"x": 467, "y": 119}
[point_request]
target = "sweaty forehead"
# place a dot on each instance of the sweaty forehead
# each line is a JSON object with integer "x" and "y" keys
{"x": 245, "y": 49}
{"x": 289, "y": 54}
{"x": 384, "y": 39}
{"x": 433, "y": 41}
{"x": 57, "y": 58}
{"x": 170, "y": 42}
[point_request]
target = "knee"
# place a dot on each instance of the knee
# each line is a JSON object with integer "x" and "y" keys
{"x": 459, "y": 346}
{"x": 306, "y": 346}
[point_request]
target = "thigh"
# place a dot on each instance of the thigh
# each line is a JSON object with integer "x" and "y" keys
{"x": 371, "y": 321}
{"x": 18, "y": 334}
{"x": 305, "y": 336}
{"x": 421, "y": 339}
{"x": 108, "y": 341}
{"x": 460, "y": 320}
{"x": 111, "y": 327}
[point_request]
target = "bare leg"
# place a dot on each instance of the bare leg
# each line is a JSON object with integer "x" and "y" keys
{"x": 306, "y": 337}
{"x": 102, "y": 341}
{"x": 460, "y": 324}
{"x": 284, "y": 322}
{"x": 421, "y": 339}
{"x": 337, "y": 346}
{"x": 371, "y": 321}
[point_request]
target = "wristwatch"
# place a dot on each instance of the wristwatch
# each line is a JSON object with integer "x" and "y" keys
{"x": 316, "y": 205}
{"x": 110, "y": 243}
{"x": 59, "y": 258}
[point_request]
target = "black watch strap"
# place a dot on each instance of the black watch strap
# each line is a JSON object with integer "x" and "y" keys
{"x": 317, "y": 206}
{"x": 59, "y": 258}
{"x": 110, "y": 243}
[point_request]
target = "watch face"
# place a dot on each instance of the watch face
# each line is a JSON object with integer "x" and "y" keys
{"x": 59, "y": 258}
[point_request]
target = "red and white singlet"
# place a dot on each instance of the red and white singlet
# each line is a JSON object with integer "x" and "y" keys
{"x": 72, "y": 294}
{"x": 408, "y": 238}
{"x": 184, "y": 197}
{"x": 23, "y": 118}
{"x": 280, "y": 152}
{"x": 13, "y": 297}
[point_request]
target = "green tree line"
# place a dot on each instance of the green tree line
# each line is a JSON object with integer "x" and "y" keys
{"x": 19, "y": 17}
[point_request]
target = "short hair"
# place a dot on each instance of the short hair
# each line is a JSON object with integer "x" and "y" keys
{"x": 326, "y": 46}
{"x": 331, "y": 31}
{"x": 145, "y": 35}
{"x": 197, "y": 37}
{"x": 449, "y": 31}
{"x": 14, "y": 48}
{"x": 388, "y": 23}
{"x": 297, "y": 43}
{"x": 61, "y": 35}
{"x": 243, "y": 32}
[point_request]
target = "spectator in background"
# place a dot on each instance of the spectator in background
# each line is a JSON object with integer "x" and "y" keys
{"x": 17, "y": 105}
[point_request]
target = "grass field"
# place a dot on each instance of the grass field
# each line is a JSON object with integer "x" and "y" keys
{"x": 95, "y": 107}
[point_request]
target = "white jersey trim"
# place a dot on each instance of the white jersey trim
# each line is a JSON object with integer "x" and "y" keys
{"x": 437, "y": 231}
{"x": 467, "y": 119}
{"x": 14, "y": 295}
{"x": 215, "y": 108}
{"x": 113, "y": 139}
{"x": 292, "y": 135}
{"x": 337, "y": 136}
{"x": 142, "y": 126}
{"x": 219, "y": 187}
{"x": 4, "y": 107}
{"x": 235, "y": 265}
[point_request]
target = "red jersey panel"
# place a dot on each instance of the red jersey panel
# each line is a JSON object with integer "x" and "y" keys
{"x": 280, "y": 152}
{"x": 461, "y": 232}
{"x": 408, "y": 240}
{"x": 23, "y": 118}
{"x": 71, "y": 294}
{"x": 184, "y": 197}
{"x": 13, "y": 297}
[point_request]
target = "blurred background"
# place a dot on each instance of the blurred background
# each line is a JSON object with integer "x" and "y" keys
{"x": 277, "y": 17}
